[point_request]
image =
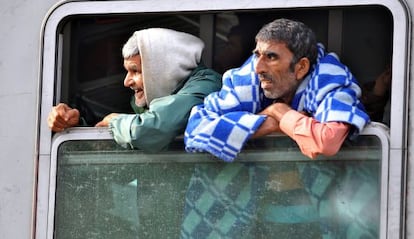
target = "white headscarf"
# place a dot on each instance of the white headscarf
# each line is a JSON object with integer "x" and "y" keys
{"x": 167, "y": 58}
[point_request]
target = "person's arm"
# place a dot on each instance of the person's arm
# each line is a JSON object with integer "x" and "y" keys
{"x": 154, "y": 129}
{"x": 383, "y": 83}
{"x": 227, "y": 118}
{"x": 375, "y": 95}
{"x": 313, "y": 137}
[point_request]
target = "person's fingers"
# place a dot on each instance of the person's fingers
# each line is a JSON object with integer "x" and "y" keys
{"x": 54, "y": 125}
{"x": 105, "y": 121}
{"x": 72, "y": 117}
{"x": 57, "y": 129}
{"x": 56, "y": 121}
{"x": 101, "y": 124}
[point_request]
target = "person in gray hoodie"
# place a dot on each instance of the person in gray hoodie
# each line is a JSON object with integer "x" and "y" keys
{"x": 165, "y": 71}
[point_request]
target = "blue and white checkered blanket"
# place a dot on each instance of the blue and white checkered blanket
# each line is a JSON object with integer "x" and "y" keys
{"x": 229, "y": 117}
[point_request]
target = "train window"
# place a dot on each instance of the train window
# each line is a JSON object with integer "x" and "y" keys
{"x": 89, "y": 187}
{"x": 105, "y": 191}
{"x": 92, "y": 71}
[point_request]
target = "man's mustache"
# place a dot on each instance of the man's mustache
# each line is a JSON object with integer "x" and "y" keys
{"x": 136, "y": 88}
{"x": 264, "y": 76}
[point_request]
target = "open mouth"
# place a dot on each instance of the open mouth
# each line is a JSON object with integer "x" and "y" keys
{"x": 139, "y": 93}
{"x": 266, "y": 84}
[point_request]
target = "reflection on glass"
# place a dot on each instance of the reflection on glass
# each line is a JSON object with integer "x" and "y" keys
{"x": 104, "y": 191}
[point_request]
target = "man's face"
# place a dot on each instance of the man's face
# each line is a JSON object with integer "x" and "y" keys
{"x": 272, "y": 65}
{"x": 134, "y": 80}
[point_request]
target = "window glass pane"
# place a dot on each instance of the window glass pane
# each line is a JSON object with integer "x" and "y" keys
{"x": 104, "y": 191}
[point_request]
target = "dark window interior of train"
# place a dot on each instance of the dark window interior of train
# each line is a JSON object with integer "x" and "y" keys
{"x": 93, "y": 73}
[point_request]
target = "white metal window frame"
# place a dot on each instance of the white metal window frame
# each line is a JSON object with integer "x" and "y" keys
{"x": 50, "y": 69}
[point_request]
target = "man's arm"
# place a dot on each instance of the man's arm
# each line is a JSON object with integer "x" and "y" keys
{"x": 312, "y": 136}
{"x": 269, "y": 126}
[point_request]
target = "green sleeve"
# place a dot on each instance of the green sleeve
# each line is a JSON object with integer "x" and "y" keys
{"x": 166, "y": 118}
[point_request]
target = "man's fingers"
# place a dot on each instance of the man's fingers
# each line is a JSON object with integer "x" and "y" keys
{"x": 72, "y": 117}
{"x": 56, "y": 129}
{"x": 56, "y": 123}
{"x": 101, "y": 124}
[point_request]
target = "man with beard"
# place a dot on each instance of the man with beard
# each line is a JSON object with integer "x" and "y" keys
{"x": 289, "y": 85}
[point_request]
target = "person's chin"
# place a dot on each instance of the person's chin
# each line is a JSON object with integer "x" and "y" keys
{"x": 270, "y": 94}
{"x": 140, "y": 102}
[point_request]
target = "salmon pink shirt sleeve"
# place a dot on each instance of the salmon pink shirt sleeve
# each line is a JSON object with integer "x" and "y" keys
{"x": 313, "y": 137}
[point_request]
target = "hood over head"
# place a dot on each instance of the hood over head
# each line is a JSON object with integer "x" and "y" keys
{"x": 167, "y": 58}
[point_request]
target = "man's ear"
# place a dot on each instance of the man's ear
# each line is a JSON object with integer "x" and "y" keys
{"x": 302, "y": 68}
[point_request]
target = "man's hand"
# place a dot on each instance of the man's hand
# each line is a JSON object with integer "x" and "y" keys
{"x": 62, "y": 117}
{"x": 276, "y": 110}
{"x": 269, "y": 126}
{"x": 274, "y": 114}
{"x": 106, "y": 120}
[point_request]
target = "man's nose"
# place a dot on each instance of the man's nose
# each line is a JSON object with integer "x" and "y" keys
{"x": 259, "y": 66}
{"x": 128, "y": 81}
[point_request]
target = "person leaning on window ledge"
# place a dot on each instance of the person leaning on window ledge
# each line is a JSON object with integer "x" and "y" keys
{"x": 165, "y": 71}
{"x": 289, "y": 85}
{"x": 376, "y": 94}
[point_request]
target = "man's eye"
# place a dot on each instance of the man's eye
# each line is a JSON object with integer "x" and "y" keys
{"x": 135, "y": 71}
{"x": 271, "y": 56}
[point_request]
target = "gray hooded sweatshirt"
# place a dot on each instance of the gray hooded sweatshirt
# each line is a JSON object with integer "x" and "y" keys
{"x": 174, "y": 81}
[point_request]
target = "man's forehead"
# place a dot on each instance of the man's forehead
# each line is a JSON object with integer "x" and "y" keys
{"x": 133, "y": 60}
{"x": 265, "y": 46}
